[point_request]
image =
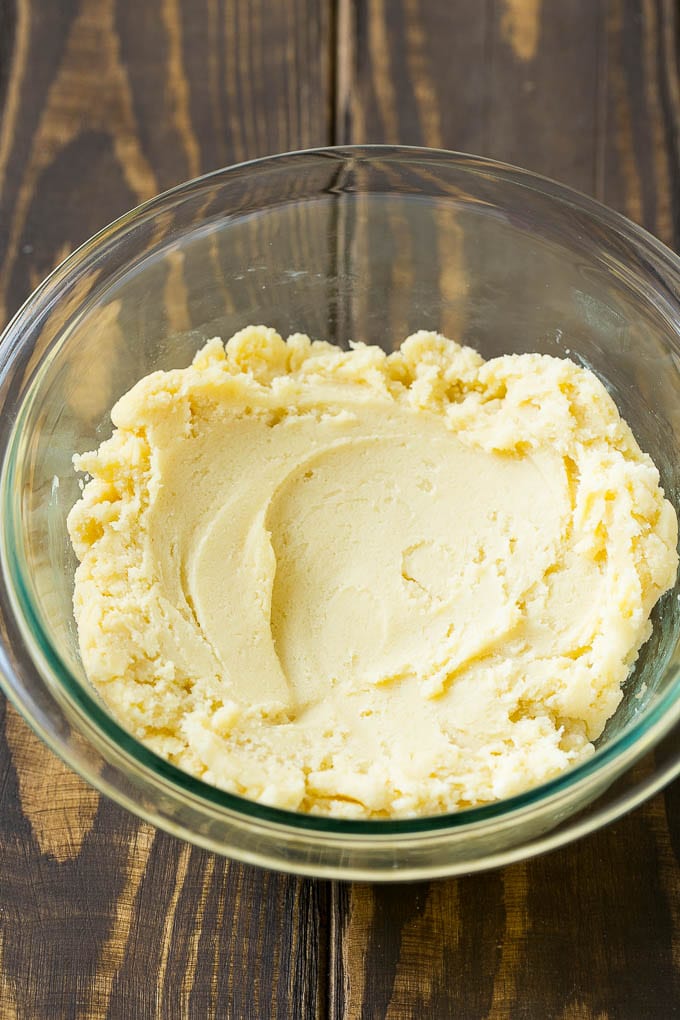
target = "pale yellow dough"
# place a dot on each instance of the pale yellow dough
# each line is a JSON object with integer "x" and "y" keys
{"x": 368, "y": 585}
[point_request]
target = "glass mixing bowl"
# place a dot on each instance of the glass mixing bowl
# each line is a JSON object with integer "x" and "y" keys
{"x": 366, "y": 243}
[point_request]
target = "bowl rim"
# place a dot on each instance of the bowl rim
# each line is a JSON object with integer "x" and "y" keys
{"x": 654, "y": 723}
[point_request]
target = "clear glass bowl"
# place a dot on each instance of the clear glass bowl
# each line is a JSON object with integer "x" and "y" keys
{"x": 365, "y": 243}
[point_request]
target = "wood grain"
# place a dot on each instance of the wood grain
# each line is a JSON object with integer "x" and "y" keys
{"x": 104, "y": 103}
{"x": 587, "y": 93}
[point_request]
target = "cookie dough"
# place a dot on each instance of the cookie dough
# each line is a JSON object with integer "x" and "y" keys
{"x": 366, "y": 585}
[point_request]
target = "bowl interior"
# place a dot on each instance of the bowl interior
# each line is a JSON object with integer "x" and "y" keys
{"x": 343, "y": 249}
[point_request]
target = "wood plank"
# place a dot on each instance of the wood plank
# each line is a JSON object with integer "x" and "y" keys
{"x": 82, "y": 138}
{"x": 587, "y": 93}
{"x": 104, "y": 103}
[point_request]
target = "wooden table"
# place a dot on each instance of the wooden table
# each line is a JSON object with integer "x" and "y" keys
{"x": 106, "y": 102}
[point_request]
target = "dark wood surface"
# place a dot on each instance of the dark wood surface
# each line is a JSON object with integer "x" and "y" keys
{"x": 106, "y": 102}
